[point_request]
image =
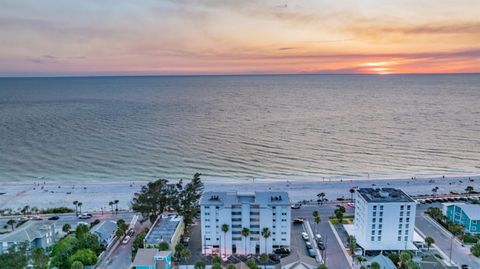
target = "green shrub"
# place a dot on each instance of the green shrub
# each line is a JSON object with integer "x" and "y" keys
{"x": 56, "y": 210}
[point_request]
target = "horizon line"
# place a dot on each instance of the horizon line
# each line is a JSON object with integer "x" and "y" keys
{"x": 226, "y": 75}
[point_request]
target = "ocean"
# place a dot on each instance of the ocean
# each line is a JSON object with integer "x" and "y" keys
{"x": 279, "y": 127}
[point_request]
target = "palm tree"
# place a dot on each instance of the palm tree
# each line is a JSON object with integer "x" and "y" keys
{"x": 76, "y": 207}
{"x": 185, "y": 254}
{"x": 266, "y": 234}
{"x": 25, "y": 210}
{"x": 225, "y": 230}
{"x": 12, "y": 222}
{"x": 316, "y": 219}
{"x": 469, "y": 190}
{"x": 352, "y": 191}
{"x": 80, "y": 207}
{"x": 321, "y": 197}
{"x": 245, "y": 234}
{"x": 111, "y": 205}
{"x": 429, "y": 241}
{"x": 116, "y": 206}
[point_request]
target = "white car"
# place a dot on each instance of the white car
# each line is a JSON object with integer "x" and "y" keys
{"x": 125, "y": 240}
{"x": 309, "y": 245}
{"x": 304, "y": 236}
{"x": 296, "y": 206}
{"x": 318, "y": 237}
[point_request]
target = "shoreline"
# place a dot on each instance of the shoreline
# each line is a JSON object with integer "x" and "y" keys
{"x": 95, "y": 195}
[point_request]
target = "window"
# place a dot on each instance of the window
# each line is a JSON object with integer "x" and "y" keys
{"x": 408, "y": 213}
{"x": 373, "y": 226}
{"x": 401, "y": 220}
{"x": 408, "y": 207}
{"x": 406, "y": 238}
{"x": 207, "y": 219}
{"x": 379, "y": 238}
{"x": 407, "y": 225}
{"x": 474, "y": 228}
{"x": 284, "y": 214}
{"x": 380, "y": 226}
{"x": 399, "y": 232}
{"x": 402, "y": 207}
{"x": 373, "y": 232}
{"x": 401, "y": 214}
{"x": 406, "y": 231}
{"x": 474, "y": 222}
{"x": 381, "y": 213}
{"x": 374, "y": 220}
{"x": 207, "y": 213}
{"x": 374, "y": 207}
{"x": 407, "y": 219}
{"x": 400, "y": 226}
{"x": 207, "y": 226}
{"x": 380, "y": 220}
{"x": 399, "y": 238}
{"x": 379, "y": 232}
{"x": 236, "y": 213}
{"x": 374, "y": 214}
{"x": 372, "y": 238}
{"x": 381, "y": 207}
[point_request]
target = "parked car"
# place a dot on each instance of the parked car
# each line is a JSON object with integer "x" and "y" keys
{"x": 318, "y": 238}
{"x": 308, "y": 244}
{"x": 282, "y": 251}
{"x": 298, "y": 220}
{"x": 296, "y": 206}
{"x": 85, "y": 216}
{"x": 321, "y": 245}
{"x": 36, "y": 218}
{"x": 304, "y": 236}
{"x": 131, "y": 232}
{"x": 125, "y": 240}
{"x": 312, "y": 253}
{"x": 465, "y": 266}
{"x": 54, "y": 218}
{"x": 274, "y": 257}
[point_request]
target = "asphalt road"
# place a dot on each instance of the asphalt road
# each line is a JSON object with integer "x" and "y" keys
{"x": 460, "y": 255}
{"x": 335, "y": 257}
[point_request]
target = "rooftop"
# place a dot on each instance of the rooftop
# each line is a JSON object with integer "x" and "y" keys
{"x": 163, "y": 229}
{"x": 471, "y": 210}
{"x": 227, "y": 199}
{"x": 384, "y": 195}
{"x": 29, "y": 232}
{"x": 295, "y": 259}
{"x": 105, "y": 230}
{"x": 145, "y": 256}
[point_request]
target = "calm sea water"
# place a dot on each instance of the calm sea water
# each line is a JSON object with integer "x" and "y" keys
{"x": 239, "y": 127}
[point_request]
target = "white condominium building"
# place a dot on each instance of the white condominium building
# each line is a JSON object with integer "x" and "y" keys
{"x": 236, "y": 211}
{"x": 384, "y": 219}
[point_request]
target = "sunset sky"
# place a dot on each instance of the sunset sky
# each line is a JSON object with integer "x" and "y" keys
{"x": 50, "y": 38}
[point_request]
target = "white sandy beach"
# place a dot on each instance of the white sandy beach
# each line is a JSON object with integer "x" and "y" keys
{"x": 96, "y": 195}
